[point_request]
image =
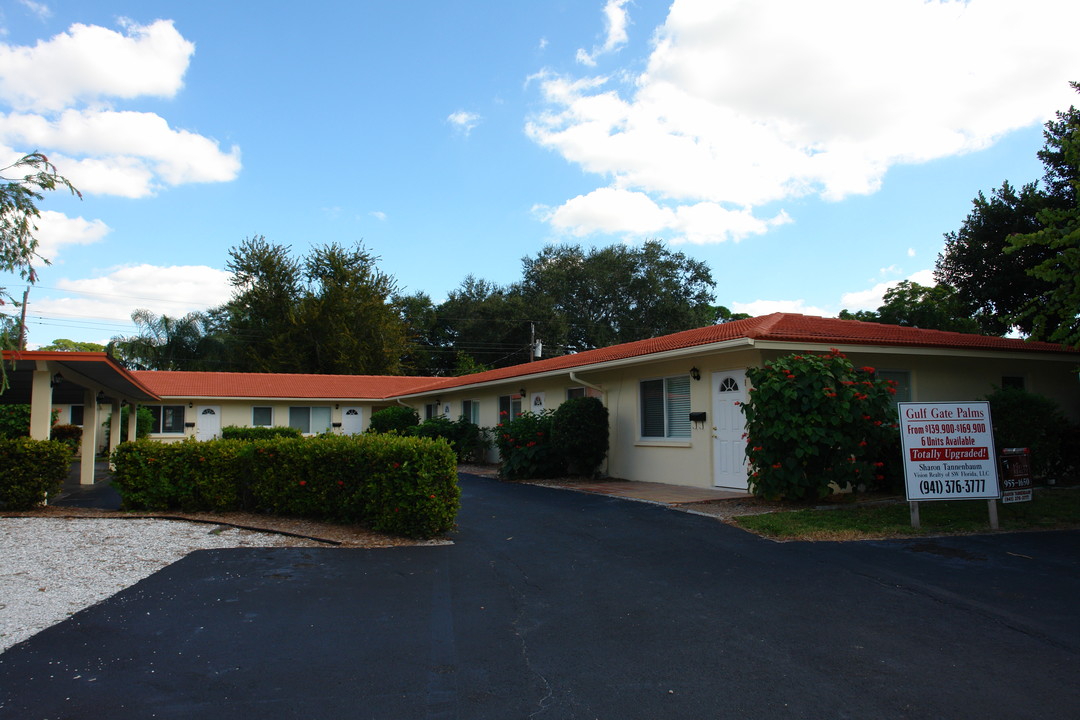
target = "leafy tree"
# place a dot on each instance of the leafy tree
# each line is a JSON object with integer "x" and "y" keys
{"x": 723, "y": 315}
{"x": 348, "y": 321}
{"x": 19, "y": 196}
{"x": 488, "y": 323}
{"x": 167, "y": 343}
{"x": 619, "y": 293}
{"x": 22, "y": 187}
{"x": 260, "y": 319}
{"x": 65, "y": 345}
{"x": 1013, "y": 261}
{"x": 992, "y": 286}
{"x": 419, "y": 314}
{"x": 1053, "y": 313}
{"x": 332, "y": 312}
{"x": 913, "y": 305}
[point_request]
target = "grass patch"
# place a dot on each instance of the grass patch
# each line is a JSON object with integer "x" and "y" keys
{"x": 1050, "y": 509}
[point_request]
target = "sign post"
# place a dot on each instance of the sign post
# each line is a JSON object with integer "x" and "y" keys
{"x": 949, "y": 454}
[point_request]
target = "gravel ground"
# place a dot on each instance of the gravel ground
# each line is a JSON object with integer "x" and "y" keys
{"x": 50, "y": 568}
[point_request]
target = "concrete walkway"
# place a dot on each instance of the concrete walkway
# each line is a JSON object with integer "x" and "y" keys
{"x": 660, "y": 493}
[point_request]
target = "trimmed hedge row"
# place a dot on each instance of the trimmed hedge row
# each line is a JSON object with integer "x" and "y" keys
{"x": 392, "y": 484}
{"x": 29, "y": 469}
{"x": 235, "y": 432}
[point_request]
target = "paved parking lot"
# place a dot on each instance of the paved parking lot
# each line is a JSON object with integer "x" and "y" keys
{"x": 555, "y": 604}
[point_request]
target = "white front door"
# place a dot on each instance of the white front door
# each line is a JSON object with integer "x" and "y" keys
{"x": 207, "y": 422}
{"x": 729, "y": 446}
{"x": 351, "y": 418}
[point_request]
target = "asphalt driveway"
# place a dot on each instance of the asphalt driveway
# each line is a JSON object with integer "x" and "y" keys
{"x": 555, "y": 604}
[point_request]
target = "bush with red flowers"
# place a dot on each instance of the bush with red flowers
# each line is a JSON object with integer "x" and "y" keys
{"x": 526, "y": 449}
{"x": 815, "y": 423}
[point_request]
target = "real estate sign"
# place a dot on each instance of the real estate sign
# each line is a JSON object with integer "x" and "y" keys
{"x": 948, "y": 451}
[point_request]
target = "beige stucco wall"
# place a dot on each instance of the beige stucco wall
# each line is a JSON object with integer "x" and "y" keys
{"x": 238, "y": 412}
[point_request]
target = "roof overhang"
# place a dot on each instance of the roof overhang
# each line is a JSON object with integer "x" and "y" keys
{"x": 601, "y": 366}
{"x": 78, "y": 371}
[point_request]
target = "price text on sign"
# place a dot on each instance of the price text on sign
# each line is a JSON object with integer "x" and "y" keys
{"x": 948, "y": 451}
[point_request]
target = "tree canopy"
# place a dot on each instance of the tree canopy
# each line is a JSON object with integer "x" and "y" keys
{"x": 910, "y": 304}
{"x": 1054, "y": 312}
{"x": 1013, "y": 262}
{"x": 569, "y": 299}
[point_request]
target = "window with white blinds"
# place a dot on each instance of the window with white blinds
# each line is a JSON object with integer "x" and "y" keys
{"x": 665, "y": 407}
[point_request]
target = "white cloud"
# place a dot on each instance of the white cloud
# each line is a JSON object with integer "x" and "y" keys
{"x": 56, "y": 229}
{"x": 745, "y": 103}
{"x": 101, "y": 150}
{"x": 378, "y": 215}
{"x": 173, "y": 291}
{"x": 873, "y": 298}
{"x": 463, "y": 120}
{"x": 615, "y": 22}
{"x": 636, "y": 216}
{"x": 89, "y": 62}
{"x": 39, "y": 10}
{"x": 765, "y": 307}
{"x": 130, "y": 154}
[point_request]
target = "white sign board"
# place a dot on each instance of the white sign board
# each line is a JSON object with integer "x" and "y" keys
{"x": 948, "y": 451}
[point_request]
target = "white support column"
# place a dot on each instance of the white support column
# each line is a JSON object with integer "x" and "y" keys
{"x": 41, "y": 403}
{"x": 114, "y": 429}
{"x": 89, "y": 437}
{"x": 133, "y": 417}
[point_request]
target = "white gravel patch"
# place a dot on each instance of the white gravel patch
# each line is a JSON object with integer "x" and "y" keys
{"x": 50, "y": 568}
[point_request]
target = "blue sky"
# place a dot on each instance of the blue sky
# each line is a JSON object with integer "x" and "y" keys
{"x": 811, "y": 154}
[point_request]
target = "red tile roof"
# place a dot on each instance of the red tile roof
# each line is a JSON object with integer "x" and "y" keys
{"x": 777, "y": 327}
{"x": 276, "y": 385}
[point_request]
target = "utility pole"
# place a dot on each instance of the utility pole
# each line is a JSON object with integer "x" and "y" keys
{"x": 532, "y": 341}
{"x": 22, "y": 319}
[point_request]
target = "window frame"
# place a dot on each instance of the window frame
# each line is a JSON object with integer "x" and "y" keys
{"x": 470, "y": 411}
{"x": 310, "y": 418}
{"x": 262, "y": 407}
{"x": 675, "y": 428}
{"x": 510, "y": 407}
{"x": 159, "y": 412}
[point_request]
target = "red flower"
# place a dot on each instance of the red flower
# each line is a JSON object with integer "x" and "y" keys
{"x": 777, "y": 466}
{"x": 341, "y": 482}
{"x": 892, "y": 390}
{"x": 397, "y": 465}
{"x": 303, "y": 482}
{"x": 862, "y": 443}
{"x": 865, "y": 417}
{"x": 532, "y": 443}
{"x": 867, "y": 369}
{"x": 878, "y": 423}
{"x": 738, "y": 403}
{"x": 432, "y": 497}
{"x": 879, "y": 477}
{"x": 879, "y": 464}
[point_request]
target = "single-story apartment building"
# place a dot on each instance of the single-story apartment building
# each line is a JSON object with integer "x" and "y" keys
{"x": 650, "y": 388}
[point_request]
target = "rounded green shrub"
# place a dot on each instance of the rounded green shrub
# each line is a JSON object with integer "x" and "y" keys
{"x": 396, "y": 418}
{"x": 580, "y": 432}
{"x": 30, "y": 470}
{"x": 1025, "y": 419}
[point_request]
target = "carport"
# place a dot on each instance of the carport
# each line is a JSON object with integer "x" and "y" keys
{"x": 91, "y": 379}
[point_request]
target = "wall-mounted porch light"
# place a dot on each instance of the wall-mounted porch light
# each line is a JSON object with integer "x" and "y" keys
{"x": 695, "y": 373}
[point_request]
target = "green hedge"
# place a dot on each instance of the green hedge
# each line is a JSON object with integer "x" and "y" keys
{"x": 392, "y": 484}
{"x": 30, "y": 469}
{"x": 235, "y": 432}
